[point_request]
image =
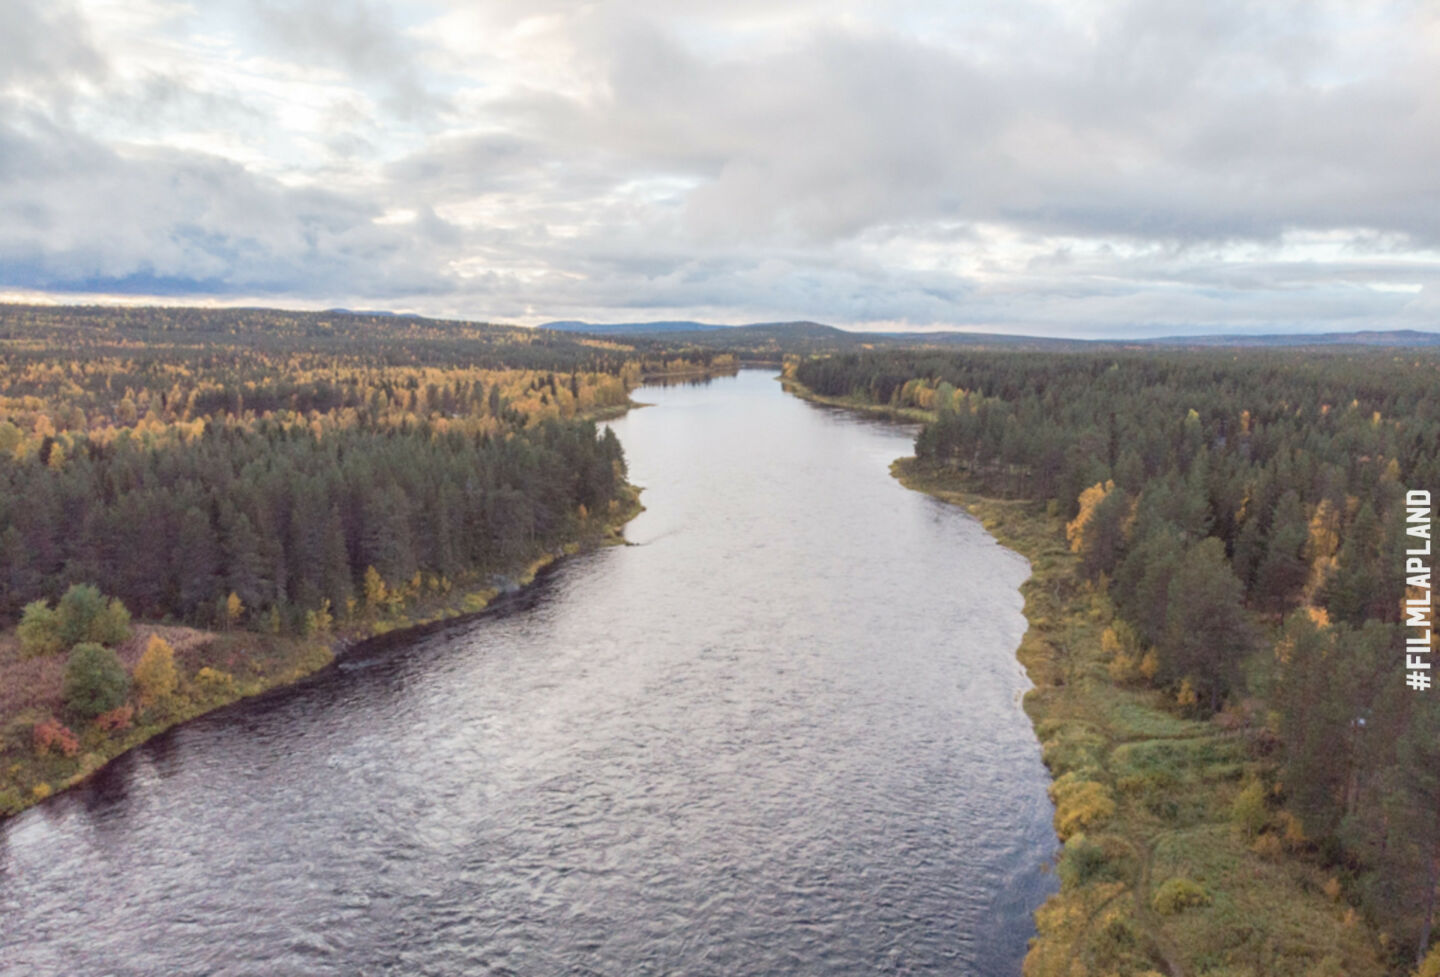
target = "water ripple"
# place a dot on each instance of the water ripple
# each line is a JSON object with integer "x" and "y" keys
{"x": 783, "y": 737}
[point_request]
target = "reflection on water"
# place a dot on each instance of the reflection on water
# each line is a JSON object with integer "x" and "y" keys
{"x": 780, "y": 734}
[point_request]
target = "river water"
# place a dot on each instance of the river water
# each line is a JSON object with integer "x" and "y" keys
{"x": 779, "y": 734}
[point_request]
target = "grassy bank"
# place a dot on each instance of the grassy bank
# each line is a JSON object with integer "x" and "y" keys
{"x": 217, "y": 668}
{"x": 1173, "y": 862}
{"x": 911, "y": 414}
{"x": 1169, "y": 866}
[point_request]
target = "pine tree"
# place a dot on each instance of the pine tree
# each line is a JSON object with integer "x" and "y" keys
{"x": 1206, "y": 632}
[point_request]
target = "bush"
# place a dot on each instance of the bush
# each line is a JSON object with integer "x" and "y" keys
{"x": 54, "y": 735}
{"x": 1082, "y": 862}
{"x": 213, "y": 681}
{"x": 1178, "y": 894}
{"x": 1080, "y": 804}
{"x": 115, "y": 719}
{"x": 39, "y": 630}
{"x": 95, "y": 681}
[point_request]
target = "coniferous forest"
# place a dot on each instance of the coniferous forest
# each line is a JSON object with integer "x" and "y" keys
{"x": 1244, "y": 514}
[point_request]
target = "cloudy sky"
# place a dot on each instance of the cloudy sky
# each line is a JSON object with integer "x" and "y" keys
{"x": 1070, "y": 168}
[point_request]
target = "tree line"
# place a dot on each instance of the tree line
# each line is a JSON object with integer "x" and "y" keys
{"x": 286, "y": 518}
{"x": 1246, "y": 515}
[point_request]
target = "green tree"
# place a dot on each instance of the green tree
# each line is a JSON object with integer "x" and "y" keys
{"x": 95, "y": 681}
{"x": 85, "y": 615}
{"x": 1283, "y": 570}
{"x": 1207, "y": 634}
{"x": 1315, "y": 719}
{"x": 1142, "y": 582}
{"x": 39, "y": 630}
{"x": 1351, "y": 591}
{"x": 1418, "y": 796}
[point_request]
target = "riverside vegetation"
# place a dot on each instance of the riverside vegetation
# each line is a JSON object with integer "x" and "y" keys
{"x": 262, "y": 487}
{"x": 1243, "y": 784}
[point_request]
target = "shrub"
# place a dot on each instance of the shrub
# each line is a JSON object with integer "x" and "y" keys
{"x": 155, "y": 675}
{"x": 1293, "y": 831}
{"x": 1082, "y": 862}
{"x": 1080, "y": 804}
{"x": 116, "y": 719}
{"x": 39, "y": 630}
{"x": 213, "y": 681}
{"x": 1177, "y": 894}
{"x": 1267, "y": 846}
{"x": 95, "y": 681}
{"x": 1115, "y": 945}
{"x": 1076, "y": 746}
{"x": 1124, "y": 669}
{"x": 85, "y": 615}
{"x": 319, "y": 621}
{"x": 54, "y": 735}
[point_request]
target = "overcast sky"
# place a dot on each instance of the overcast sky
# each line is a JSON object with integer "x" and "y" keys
{"x": 1070, "y": 168}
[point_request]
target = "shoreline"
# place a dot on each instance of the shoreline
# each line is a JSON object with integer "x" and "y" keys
{"x": 1145, "y": 801}
{"x": 289, "y": 661}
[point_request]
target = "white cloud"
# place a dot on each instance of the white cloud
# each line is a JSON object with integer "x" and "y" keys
{"x": 1106, "y": 167}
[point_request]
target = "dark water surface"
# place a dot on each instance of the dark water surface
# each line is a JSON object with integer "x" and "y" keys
{"x": 780, "y": 735}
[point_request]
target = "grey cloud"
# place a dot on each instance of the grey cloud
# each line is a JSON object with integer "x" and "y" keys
{"x": 1156, "y": 130}
{"x": 159, "y": 101}
{"x": 726, "y": 167}
{"x": 46, "y": 46}
{"x": 359, "y": 37}
{"x": 77, "y": 216}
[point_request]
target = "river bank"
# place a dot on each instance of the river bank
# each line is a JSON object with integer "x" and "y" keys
{"x": 218, "y": 668}
{"x": 1169, "y": 865}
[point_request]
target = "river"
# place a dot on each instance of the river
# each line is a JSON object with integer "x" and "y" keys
{"x": 779, "y": 734}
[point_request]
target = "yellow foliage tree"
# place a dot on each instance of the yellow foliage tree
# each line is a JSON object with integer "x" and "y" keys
{"x": 1089, "y": 500}
{"x": 1186, "y": 697}
{"x": 234, "y": 607}
{"x": 375, "y": 589}
{"x": 1149, "y": 665}
{"x": 320, "y": 620}
{"x": 155, "y": 676}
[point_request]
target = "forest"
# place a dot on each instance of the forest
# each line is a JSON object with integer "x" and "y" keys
{"x": 193, "y": 461}
{"x": 1244, "y": 514}
{"x": 255, "y": 487}
{"x": 176, "y": 473}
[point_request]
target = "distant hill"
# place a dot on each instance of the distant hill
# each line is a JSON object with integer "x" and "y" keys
{"x": 630, "y": 328}
{"x": 1393, "y": 337}
{"x": 804, "y": 334}
{"x": 815, "y": 336}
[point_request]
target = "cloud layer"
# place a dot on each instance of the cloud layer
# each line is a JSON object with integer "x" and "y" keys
{"x": 1081, "y": 169}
